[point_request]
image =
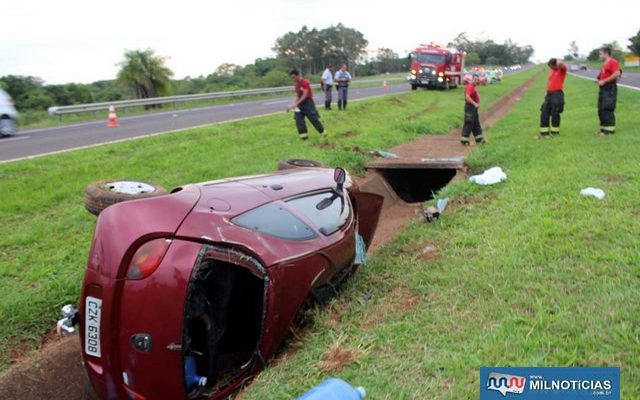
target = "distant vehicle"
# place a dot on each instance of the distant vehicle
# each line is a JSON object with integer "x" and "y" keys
{"x": 187, "y": 295}
{"x": 8, "y": 115}
{"x": 491, "y": 76}
{"x": 573, "y": 68}
{"x": 499, "y": 74}
{"x": 433, "y": 66}
{"x": 583, "y": 67}
{"x": 482, "y": 77}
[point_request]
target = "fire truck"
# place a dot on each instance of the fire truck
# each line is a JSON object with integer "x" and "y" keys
{"x": 433, "y": 66}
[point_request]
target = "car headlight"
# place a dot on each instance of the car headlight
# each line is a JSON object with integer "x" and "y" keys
{"x": 440, "y": 73}
{"x": 440, "y": 79}
{"x": 413, "y": 72}
{"x": 413, "y": 77}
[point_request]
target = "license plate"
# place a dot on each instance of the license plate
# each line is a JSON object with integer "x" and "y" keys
{"x": 92, "y": 313}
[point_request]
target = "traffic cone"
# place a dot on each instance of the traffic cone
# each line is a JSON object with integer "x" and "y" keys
{"x": 112, "y": 122}
{"x": 385, "y": 86}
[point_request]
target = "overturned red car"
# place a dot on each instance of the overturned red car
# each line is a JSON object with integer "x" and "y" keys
{"x": 187, "y": 295}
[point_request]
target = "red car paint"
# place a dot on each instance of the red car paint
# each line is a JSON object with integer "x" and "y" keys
{"x": 435, "y": 66}
{"x": 202, "y": 240}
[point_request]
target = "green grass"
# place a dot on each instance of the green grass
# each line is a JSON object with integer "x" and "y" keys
{"x": 40, "y": 119}
{"x": 46, "y": 232}
{"x": 525, "y": 273}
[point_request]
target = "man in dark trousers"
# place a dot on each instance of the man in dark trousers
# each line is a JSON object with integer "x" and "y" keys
{"x": 343, "y": 79}
{"x": 554, "y": 99}
{"x": 303, "y": 105}
{"x": 327, "y": 86}
{"x": 471, "y": 115}
{"x": 608, "y": 96}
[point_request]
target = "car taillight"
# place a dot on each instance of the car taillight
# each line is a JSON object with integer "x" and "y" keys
{"x": 147, "y": 258}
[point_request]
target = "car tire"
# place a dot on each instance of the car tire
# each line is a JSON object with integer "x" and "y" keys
{"x": 414, "y": 87}
{"x": 7, "y": 126}
{"x": 100, "y": 195}
{"x": 294, "y": 163}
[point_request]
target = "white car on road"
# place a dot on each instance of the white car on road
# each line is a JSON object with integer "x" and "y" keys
{"x": 8, "y": 115}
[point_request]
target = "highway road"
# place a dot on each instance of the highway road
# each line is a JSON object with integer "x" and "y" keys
{"x": 38, "y": 142}
{"x": 32, "y": 143}
{"x": 629, "y": 79}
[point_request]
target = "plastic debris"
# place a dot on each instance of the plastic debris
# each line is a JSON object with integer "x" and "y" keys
{"x": 334, "y": 389}
{"x": 593, "y": 192}
{"x": 428, "y": 250}
{"x": 431, "y": 213}
{"x": 489, "y": 177}
{"x": 383, "y": 154}
{"x": 361, "y": 251}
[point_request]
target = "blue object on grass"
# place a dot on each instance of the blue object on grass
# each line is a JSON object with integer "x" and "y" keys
{"x": 334, "y": 389}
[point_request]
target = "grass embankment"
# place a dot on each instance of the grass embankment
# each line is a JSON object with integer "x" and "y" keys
{"x": 40, "y": 119}
{"x": 524, "y": 273}
{"x": 46, "y": 232}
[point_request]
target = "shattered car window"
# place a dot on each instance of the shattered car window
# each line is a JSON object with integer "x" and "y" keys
{"x": 327, "y": 220}
{"x": 274, "y": 220}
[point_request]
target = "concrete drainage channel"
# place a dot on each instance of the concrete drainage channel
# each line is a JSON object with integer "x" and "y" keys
{"x": 424, "y": 166}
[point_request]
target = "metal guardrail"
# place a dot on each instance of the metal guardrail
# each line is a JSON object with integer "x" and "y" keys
{"x": 93, "y": 107}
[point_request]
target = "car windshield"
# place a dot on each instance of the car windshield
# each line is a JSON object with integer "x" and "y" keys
{"x": 273, "y": 219}
{"x": 424, "y": 58}
{"x": 329, "y": 219}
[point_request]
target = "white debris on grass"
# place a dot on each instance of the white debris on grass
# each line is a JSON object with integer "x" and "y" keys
{"x": 489, "y": 177}
{"x": 594, "y": 192}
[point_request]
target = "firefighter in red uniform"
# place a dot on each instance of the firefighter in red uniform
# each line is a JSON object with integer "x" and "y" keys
{"x": 304, "y": 106}
{"x": 554, "y": 100}
{"x": 608, "y": 96}
{"x": 471, "y": 115}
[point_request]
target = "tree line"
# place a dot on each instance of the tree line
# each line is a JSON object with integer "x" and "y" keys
{"x": 143, "y": 73}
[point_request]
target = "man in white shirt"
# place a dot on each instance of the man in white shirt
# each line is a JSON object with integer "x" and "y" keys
{"x": 327, "y": 86}
{"x": 342, "y": 79}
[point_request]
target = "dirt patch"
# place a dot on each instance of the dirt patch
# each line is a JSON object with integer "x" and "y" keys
{"x": 424, "y": 112}
{"x": 56, "y": 372}
{"x": 395, "y": 101}
{"x": 348, "y": 134}
{"x": 336, "y": 358}
{"x": 615, "y": 179}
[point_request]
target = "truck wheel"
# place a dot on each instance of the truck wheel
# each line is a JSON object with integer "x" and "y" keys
{"x": 414, "y": 87}
{"x": 102, "y": 194}
{"x": 294, "y": 163}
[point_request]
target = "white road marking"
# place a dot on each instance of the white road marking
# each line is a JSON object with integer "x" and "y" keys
{"x": 594, "y": 79}
{"x": 276, "y": 102}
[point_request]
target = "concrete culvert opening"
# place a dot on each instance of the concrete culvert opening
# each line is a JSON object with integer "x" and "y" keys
{"x": 416, "y": 185}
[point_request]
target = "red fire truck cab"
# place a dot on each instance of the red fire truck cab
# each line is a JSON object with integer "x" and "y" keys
{"x": 433, "y": 66}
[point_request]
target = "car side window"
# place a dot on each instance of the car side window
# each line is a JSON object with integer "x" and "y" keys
{"x": 327, "y": 219}
{"x": 275, "y": 220}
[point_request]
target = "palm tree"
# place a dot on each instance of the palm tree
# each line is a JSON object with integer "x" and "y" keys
{"x": 145, "y": 74}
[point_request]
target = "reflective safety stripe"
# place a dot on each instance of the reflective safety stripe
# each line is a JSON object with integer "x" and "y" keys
{"x": 464, "y": 139}
{"x": 544, "y": 130}
{"x": 479, "y": 137}
{"x": 304, "y": 135}
{"x": 608, "y": 128}
{"x": 555, "y": 129}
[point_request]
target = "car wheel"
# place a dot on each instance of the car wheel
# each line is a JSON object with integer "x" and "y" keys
{"x": 102, "y": 194}
{"x": 7, "y": 126}
{"x": 414, "y": 87}
{"x": 294, "y": 163}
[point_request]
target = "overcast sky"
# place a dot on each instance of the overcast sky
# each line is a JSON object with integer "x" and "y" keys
{"x": 82, "y": 41}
